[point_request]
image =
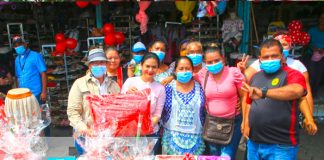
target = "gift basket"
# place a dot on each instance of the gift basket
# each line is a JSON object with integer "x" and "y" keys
{"x": 129, "y": 112}
{"x": 118, "y": 122}
{"x": 103, "y": 146}
{"x": 20, "y": 141}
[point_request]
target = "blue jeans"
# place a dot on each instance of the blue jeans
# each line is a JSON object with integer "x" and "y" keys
{"x": 231, "y": 148}
{"x": 259, "y": 151}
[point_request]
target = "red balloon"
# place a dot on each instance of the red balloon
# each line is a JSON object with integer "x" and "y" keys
{"x": 60, "y": 47}
{"x": 119, "y": 36}
{"x": 108, "y": 28}
{"x": 295, "y": 37}
{"x": 110, "y": 40}
{"x": 71, "y": 43}
{"x": 304, "y": 38}
{"x": 59, "y": 37}
{"x": 295, "y": 25}
{"x": 95, "y": 2}
{"x": 82, "y": 4}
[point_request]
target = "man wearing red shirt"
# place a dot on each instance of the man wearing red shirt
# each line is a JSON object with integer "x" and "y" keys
{"x": 271, "y": 113}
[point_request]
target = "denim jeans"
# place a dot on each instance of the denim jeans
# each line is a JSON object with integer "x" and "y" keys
{"x": 259, "y": 151}
{"x": 231, "y": 148}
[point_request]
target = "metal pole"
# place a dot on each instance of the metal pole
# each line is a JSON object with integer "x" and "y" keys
{"x": 66, "y": 73}
{"x": 199, "y": 25}
{"x": 98, "y": 16}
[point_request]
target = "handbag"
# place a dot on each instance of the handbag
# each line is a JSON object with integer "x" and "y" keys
{"x": 216, "y": 129}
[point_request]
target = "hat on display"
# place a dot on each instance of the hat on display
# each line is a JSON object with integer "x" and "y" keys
{"x": 96, "y": 55}
{"x": 138, "y": 46}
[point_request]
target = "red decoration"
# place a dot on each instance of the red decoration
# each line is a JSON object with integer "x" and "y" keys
{"x": 295, "y": 25}
{"x": 60, "y": 47}
{"x": 59, "y": 37}
{"x": 119, "y": 36}
{"x": 123, "y": 110}
{"x": 188, "y": 156}
{"x": 304, "y": 38}
{"x": 108, "y": 28}
{"x": 295, "y": 37}
{"x": 71, "y": 43}
{"x": 110, "y": 39}
{"x": 95, "y": 2}
{"x": 82, "y": 4}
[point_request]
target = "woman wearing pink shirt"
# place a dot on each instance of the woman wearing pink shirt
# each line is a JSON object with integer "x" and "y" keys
{"x": 223, "y": 90}
{"x": 150, "y": 64}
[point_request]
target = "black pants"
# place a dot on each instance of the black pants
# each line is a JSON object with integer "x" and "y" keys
{"x": 316, "y": 74}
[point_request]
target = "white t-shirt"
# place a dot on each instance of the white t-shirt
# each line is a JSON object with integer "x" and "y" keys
{"x": 157, "y": 94}
{"x": 292, "y": 63}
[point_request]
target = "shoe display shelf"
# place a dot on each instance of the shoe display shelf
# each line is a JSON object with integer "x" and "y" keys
{"x": 62, "y": 71}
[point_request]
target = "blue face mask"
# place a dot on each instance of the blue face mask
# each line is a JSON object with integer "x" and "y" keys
{"x": 195, "y": 58}
{"x": 137, "y": 58}
{"x": 20, "y": 50}
{"x": 160, "y": 54}
{"x": 98, "y": 71}
{"x": 184, "y": 77}
{"x": 285, "y": 53}
{"x": 215, "y": 68}
{"x": 270, "y": 66}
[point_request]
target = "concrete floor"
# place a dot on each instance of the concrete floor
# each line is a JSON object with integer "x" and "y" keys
{"x": 311, "y": 147}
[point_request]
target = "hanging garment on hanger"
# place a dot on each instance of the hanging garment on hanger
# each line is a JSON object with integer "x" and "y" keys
{"x": 232, "y": 29}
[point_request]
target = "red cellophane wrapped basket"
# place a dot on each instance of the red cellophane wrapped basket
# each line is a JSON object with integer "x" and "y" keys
{"x": 129, "y": 114}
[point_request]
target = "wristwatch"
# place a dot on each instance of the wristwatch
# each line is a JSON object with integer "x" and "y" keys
{"x": 264, "y": 92}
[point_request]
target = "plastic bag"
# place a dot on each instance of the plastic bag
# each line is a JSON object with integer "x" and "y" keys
{"x": 130, "y": 113}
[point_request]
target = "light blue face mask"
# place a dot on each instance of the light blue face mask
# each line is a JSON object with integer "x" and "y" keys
{"x": 137, "y": 58}
{"x": 184, "y": 77}
{"x": 196, "y": 58}
{"x": 285, "y": 53}
{"x": 215, "y": 68}
{"x": 20, "y": 50}
{"x": 160, "y": 54}
{"x": 270, "y": 66}
{"x": 98, "y": 71}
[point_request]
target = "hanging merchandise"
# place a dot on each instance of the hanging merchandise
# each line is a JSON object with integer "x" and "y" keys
{"x": 95, "y": 2}
{"x": 221, "y": 7}
{"x": 202, "y": 9}
{"x": 244, "y": 12}
{"x": 186, "y": 7}
{"x": 141, "y": 16}
{"x": 82, "y": 4}
{"x": 211, "y": 5}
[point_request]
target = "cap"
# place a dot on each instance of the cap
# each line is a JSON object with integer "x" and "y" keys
{"x": 17, "y": 39}
{"x": 138, "y": 46}
{"x": 96, "y": 55}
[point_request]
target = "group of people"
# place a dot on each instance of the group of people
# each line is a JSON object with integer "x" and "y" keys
{"x": 261, "y": 99}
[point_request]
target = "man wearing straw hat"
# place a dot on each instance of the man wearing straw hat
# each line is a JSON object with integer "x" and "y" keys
{"x": 94, "y": 82}
{"x": 30, "y": 69}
